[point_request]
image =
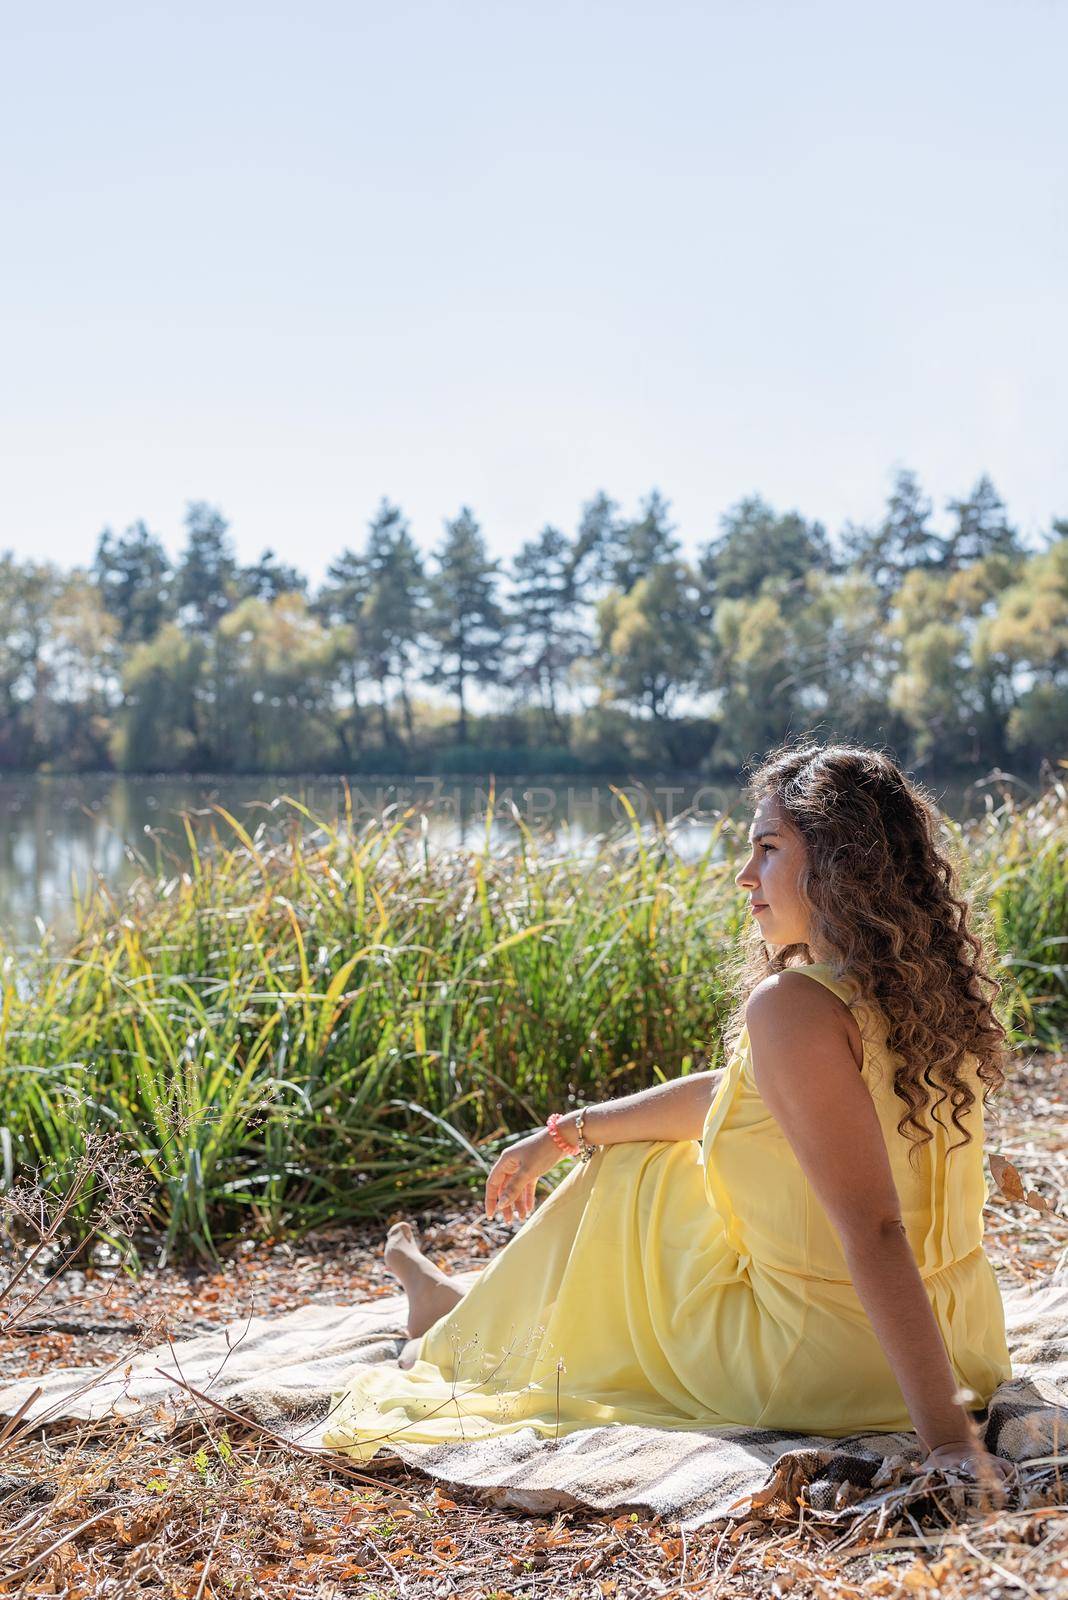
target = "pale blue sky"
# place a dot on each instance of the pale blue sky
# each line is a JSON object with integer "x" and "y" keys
{"x": 290, "y": 258}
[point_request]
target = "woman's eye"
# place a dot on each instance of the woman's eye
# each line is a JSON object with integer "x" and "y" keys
{"x": 770, "y": 848}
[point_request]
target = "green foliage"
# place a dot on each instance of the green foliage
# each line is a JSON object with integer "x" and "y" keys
{"x": 546, "y": 616}
{"x": 160, "y": 722}
{"x": 272, "y": 699}
{"x": 980, "y": 529}
{"x": 1027, "y": 637}
{"x": 754, "y": 656}
{"x": 268, "y": 578}
{"x": 312, "y": 1021}
{"x": 392, "y": 616}
{"x": 901, "y": 543}
{"x": 133, "y": 576}
{"x": 1020, "y": 867}
{"x": 206, "y": 586}
{"x": 949, "y": 644}
{"x": 651, "y": 638}
{"x": 756, "y": 543}
{"x": 466, "y": 625}
{"x": 931, "y": 689}
{"x": 639, "y": 547}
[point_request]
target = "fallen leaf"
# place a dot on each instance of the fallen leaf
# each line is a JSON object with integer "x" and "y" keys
{"x": 1011, "y": 1185}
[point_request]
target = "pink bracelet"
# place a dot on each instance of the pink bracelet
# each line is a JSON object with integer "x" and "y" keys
{"x": 558, "y": 1138}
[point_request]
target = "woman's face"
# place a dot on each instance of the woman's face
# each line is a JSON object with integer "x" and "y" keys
{"x": 770, "y": 876}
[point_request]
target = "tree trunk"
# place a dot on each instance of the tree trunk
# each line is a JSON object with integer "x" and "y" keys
{"x": 341, "y": 734}
{"x": 406, "y": 712}
{"x": 354, "y": 690}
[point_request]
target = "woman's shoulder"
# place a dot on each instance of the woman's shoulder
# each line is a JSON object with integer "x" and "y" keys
{"x": 790, "y": 981}
{"x": 785, "y": 998}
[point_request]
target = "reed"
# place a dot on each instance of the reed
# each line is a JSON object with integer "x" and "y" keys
{"x": 314, "y": 1020}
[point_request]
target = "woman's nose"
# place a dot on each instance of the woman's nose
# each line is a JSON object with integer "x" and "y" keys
{"x": 747, "y": 875}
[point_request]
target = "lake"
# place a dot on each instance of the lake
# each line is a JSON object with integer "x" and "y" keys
{"x": 58, "y": 830}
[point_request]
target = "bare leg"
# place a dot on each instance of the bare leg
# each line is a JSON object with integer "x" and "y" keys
{"x": 430, "y": 1291}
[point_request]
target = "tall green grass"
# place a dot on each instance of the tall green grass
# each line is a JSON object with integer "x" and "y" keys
{"x": 315, "y": 1021}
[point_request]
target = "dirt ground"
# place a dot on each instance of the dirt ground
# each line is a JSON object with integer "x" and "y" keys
{"x": 217, "y": 1511}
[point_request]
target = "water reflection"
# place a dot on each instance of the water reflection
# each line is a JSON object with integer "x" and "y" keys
{"x": 58, "y": 832}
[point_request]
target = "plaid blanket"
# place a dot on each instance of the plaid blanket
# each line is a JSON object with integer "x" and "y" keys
{"x": 281, "y": 1371}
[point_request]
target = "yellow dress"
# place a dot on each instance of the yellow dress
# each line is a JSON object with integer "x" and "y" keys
{"x": 696, "y": 1285}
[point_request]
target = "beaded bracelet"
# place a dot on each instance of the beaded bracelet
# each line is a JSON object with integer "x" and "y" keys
{"x": 555, "y": 1136}
{"x": 585, "y": 1152}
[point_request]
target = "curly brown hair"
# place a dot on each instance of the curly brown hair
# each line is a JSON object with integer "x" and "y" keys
{"x": 885, "y": 900}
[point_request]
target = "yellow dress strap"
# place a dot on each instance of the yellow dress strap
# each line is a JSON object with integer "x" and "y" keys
{"x": 848, "y": 990}
{"x": 845, "y": 989}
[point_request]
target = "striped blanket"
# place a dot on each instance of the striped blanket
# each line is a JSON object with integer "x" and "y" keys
{"x": 281, "y": 1371}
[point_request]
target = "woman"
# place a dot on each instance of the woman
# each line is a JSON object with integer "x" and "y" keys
{"x": 794, "y": 1240}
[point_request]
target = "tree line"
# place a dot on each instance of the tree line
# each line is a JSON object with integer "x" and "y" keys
{"x": 590, "y": 650}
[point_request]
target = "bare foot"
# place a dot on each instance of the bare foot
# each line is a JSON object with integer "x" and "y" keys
{"x": 430, "y": 1291}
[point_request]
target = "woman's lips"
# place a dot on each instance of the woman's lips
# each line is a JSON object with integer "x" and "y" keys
{"x": 758, "y": 905}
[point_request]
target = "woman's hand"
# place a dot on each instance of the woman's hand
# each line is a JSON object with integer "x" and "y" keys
{"x": 515, "y": 1173}
{"x": 976, "y": 1460}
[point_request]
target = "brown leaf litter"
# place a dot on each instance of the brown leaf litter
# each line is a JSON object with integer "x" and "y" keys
{"x": 210, "y": 1507}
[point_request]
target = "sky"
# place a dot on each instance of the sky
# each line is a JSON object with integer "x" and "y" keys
{"x": 289, "y": 259}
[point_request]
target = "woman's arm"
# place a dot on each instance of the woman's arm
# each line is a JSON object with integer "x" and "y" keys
{"x": 670, "y": 1111}
{"x": 673, "y": 1110}
{"x": 809, "y": 1081}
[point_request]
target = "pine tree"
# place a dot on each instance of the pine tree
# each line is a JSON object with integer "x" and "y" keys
{"x": 340, "y": 604}
{"x": 593, "y": 552}
{"x": 207, "y": 573}
{"x": 903, "y": 541}
{"x": 757, "y": 543}
{"x": 133, "y": 576}
{"x": 640, "y": 545}
{"x": 545, "y": 618}
{"x": 393, "y": 611}
{"x": 466, "y": 625}
{"x": 269, "y": 578}
{"x": 980, "y": 529}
